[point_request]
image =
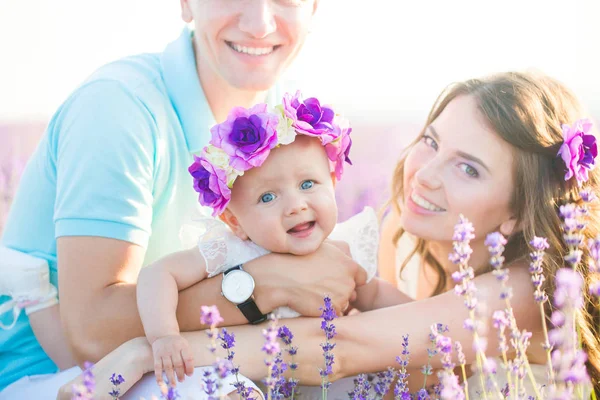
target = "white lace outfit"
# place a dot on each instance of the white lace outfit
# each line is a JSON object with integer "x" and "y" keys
{"x": 222, "y": 249}
{"x": 408, "y": 284}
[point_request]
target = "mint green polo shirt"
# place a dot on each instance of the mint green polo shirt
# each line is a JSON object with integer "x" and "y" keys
{"x": 112, "y": 163}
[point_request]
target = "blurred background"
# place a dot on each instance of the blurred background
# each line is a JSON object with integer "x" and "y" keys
{"x": 382, "y": 62}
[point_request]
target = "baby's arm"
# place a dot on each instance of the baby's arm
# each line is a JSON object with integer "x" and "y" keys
{"x": 378, "y": 294}
{"x": 158, "y": 288}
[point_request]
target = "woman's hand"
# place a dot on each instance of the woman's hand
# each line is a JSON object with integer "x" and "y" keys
{"x": 131, "y": 360}
{"x": 301, "y": 282}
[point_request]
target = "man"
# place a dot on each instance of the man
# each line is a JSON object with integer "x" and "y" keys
{"x": 107, "y": 189}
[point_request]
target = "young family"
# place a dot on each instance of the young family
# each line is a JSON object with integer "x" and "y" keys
{"x": 130, "y": 154}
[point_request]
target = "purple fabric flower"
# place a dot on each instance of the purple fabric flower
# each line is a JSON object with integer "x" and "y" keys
{"x": 338, "y": 151}
{"x": 579, "y": 150}
{"x": 310, "y": 117}
{"x": 211, "y": 184}
{"x": 247, "y": 136}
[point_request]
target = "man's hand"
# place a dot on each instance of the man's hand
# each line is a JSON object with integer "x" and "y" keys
{"x": 172, "y": 355}
{"x": 301, "y": 282}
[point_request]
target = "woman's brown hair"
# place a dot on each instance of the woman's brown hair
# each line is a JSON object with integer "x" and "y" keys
{"x": 527, "y": 111}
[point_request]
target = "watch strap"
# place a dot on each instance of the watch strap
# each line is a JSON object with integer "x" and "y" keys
{"x": 251, "y": 311}
{"x": 237, "y": 267}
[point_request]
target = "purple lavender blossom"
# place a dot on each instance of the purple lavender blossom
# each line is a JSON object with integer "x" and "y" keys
{"x": 209, "y": 315}
{"x": 285, "y": 335}
{"x": 594, "y": 247}
{"x": 171, "y": 394}
{"x": 209, "y": 384}
{"x": 362, "y": 386}
{"x": 401, "y": 391}
{"x": 450, "y": 387}
{"x": 116, "y": 380}
{"x": 568, "y": 359}
{"x": 328, "y": 315}
{"x": 383, "y": 383}
{"x": 86, "y": 390}
{"x": 539, "y": 245}
{"x": 272, "y": 349}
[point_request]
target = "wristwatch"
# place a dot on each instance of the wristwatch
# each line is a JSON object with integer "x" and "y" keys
{"x": 238, "y": 287}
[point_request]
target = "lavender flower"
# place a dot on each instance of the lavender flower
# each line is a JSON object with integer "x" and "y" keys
{"x": 328, "y": 315}
{"x": 401, "y": 391}
{"x": 594, "y": 247}
{"x": 361, "y": 388}
{"x": 116, "y": 380}
{"x": 383, "y": 383}
{"x": 572, "y": 226}
{"x": 85, "y": 391}
{"x": 170, "y": 394}
{"x": 271, "y": 349}
{"x": 539, "y": 245}
{"x": 209, "y": 315}
{"x": 285, "y": 335}
{"x": 568, "y": 359}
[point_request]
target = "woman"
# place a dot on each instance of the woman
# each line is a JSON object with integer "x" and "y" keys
{"x": 489, "y": 151}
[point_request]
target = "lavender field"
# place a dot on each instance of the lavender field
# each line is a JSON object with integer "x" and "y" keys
{"x": 365, "y": 183}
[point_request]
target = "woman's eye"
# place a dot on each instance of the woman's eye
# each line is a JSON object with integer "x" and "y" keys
{"x": 307, "y": 184}
{"x": 472, "y": 172}
{"x": 267, "y": 198}
{"x": 429, "y": 141}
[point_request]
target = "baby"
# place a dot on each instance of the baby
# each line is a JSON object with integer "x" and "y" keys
{"x": 270, "y": 178}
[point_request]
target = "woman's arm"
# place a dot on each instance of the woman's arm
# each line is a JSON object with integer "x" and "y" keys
{"x": 366, "y": 342}
{"x": 370, "y": 341}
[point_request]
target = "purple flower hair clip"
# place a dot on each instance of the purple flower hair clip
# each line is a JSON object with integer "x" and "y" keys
{"x": 245, "y": 139}
{"x": 579, "y": 150}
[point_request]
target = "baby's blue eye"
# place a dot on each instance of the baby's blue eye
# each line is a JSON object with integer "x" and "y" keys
{"x": 267, "y": 198}
{"x": 307, "y": 184}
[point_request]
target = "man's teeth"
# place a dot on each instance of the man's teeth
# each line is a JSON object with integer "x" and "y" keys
{"x": 424, "y": 203}
{"x": 254, "y": 51}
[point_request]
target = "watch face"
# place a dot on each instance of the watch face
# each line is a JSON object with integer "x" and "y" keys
{"x": 237, "y": 286}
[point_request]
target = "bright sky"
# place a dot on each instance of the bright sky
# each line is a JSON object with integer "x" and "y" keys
{"x": 384, "y": 58}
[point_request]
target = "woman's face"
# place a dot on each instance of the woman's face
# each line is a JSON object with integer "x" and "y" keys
{"x": 459, "y": 166}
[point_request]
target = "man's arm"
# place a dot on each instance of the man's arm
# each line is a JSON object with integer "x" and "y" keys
{"x": 98, "y": 278}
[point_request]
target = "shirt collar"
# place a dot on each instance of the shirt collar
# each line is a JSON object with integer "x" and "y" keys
{"x": 183, "y": 86}
{"x": 184, "y": 89}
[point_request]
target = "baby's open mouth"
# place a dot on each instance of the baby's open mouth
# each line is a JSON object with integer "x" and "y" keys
{"x": 302, "y": 227}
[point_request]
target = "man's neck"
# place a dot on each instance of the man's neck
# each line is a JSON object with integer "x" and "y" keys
{"x": 221, "y": 96}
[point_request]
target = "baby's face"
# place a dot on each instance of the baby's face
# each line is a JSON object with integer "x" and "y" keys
{"x": 287, "y": 205}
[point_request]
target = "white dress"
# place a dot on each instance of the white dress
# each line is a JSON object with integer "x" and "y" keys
{"x": 409, "y": 283}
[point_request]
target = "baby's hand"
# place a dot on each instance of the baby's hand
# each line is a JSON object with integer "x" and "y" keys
{"x": 172, "y": 353}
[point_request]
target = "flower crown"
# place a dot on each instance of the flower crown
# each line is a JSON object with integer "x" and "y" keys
{"x": 579, "y": 150}
{"x": 246, "y": 138}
